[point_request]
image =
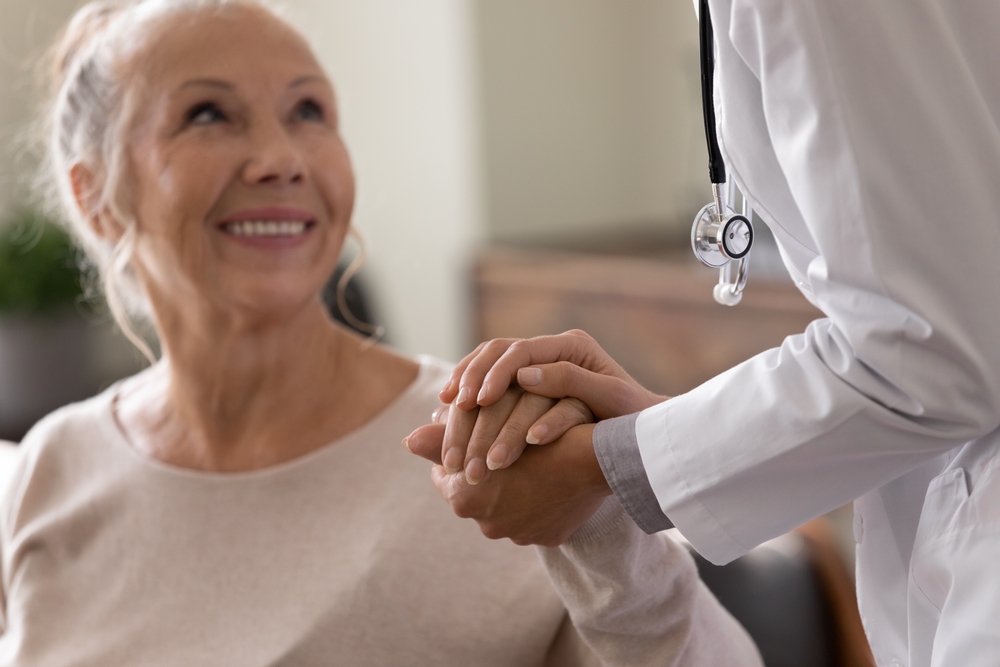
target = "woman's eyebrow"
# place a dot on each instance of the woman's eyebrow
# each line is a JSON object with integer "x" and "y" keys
{"x": 311, "y": 78}
{"x": 212, "y": 83}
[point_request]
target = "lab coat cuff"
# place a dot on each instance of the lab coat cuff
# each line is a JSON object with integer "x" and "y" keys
{"x": 618, "y": 453}
{"x": 657, "y": 447}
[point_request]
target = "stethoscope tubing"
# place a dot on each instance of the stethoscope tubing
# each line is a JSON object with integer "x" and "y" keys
{"x": 716, "y": 165}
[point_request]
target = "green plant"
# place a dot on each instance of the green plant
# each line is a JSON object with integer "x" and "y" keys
{"x": 38, "y": 268}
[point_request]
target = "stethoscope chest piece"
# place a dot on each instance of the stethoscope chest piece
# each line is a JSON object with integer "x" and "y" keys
{"x": 716, "y": 240}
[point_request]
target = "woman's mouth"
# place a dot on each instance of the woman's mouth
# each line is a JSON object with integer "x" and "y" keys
{"x": 267, "y": 228}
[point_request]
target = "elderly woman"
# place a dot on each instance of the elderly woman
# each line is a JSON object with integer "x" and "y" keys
{"x": 245, "y": 500}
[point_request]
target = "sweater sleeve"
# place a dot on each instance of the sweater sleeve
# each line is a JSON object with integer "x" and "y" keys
{"x": 636, "y": 599}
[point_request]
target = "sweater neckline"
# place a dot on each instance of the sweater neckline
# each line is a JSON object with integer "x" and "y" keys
{"x": 114, "y": 435}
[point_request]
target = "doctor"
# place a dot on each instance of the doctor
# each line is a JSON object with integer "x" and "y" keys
{"x": 867, "y": 137}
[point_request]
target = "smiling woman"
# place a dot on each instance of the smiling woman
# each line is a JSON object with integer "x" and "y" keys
{"x": 245, "y": 500}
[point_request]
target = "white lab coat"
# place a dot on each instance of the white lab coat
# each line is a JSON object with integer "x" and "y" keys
{"x": 866, "y": 136}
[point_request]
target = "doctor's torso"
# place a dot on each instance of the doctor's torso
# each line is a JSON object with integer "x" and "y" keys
{"x": 840, "y": 182}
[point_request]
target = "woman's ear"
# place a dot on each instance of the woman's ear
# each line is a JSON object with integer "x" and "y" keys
{"x": 87, "y": 199}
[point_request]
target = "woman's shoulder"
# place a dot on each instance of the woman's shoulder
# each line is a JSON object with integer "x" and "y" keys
{"x": 68, "y": 424}
{"x": 81, "y": 420}
{"x": 63, "y": 448}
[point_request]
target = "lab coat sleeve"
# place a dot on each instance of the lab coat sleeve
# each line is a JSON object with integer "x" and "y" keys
{"x": 636, "y": 599}
{"x": 618, "y": 454}
{"x": 882, "y": 118}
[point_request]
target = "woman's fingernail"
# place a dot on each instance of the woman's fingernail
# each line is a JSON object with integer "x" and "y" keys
{"x": 448, "y": 386}
{"x": 497, "y": 456}
{"x": 536, "y": 433}
{"x": 483, "y": 392}
{"x": 463, "y": 395}
{"x": 453, "y": 460}
{"x": 529, "y": 376}
{"x": 436, "y": 415}
{"x": 406, "y": 443}
{"x": 475, "y": 470}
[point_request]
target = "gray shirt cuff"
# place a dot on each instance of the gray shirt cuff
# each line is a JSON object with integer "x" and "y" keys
{"x": 617, "y": 451}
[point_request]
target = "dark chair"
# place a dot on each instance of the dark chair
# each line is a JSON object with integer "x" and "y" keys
{"x": 796, "y": 599}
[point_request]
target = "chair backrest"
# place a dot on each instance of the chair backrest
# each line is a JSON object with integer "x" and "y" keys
{"x": 795, "y": 597}
{"x": 774, "y": 593}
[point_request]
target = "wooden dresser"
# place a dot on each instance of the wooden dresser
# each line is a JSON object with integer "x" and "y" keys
{"x": 653, "y": 312}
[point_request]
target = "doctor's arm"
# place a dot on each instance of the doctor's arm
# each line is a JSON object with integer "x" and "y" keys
{"x": 882, "y": 159}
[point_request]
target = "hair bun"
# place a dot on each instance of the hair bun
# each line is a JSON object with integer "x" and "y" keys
{"x": 85, "y": 27}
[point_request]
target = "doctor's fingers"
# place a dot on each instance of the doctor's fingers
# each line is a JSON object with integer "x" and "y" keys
{"x": 532, "y": 429}
{"x": 606, "y": 395}
{"x": 450, "y": 390}
{"x": 575, "y": 347}
{"x": 485, "y": 355}
{"x": 490, "y": 422}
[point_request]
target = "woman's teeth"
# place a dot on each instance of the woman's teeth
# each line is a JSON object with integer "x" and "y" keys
{"x": 265, "y": 228}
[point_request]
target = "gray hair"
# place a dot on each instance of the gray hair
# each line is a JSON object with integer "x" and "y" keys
{"x": 89, "y": 114}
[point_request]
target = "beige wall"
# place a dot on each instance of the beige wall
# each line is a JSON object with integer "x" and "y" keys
{"x": 407, "y": 83}
{"x": 26, "y": 29}
{"x": 592, "y": 116}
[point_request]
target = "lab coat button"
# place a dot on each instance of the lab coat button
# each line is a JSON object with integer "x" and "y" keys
{"x": 859, "y": 529}
{"x": 895, "y": 663}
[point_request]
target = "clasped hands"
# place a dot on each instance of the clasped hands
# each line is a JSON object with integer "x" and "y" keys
{"x": 507, "y": 394}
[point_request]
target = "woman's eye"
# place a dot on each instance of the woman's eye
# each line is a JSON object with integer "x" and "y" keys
{"x": 309, "y": 110}
{"x": 205, "y": 114}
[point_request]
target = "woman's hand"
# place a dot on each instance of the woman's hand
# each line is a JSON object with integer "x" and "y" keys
{"x": 550, "y": 493}
{"x": 570, "y": 366}
{"x": 490, "y": 438}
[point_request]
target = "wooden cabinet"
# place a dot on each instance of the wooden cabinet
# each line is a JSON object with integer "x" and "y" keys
{"x": 654, "y": 314}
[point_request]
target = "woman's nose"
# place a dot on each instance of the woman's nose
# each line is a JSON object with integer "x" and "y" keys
{"x": 274, "y": 157}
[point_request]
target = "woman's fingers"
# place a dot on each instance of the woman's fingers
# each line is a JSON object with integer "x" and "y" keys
{"x": 606, "y": 395}
{"x": 426, "y": 442}
{"x": 488, "y": 424}
{"x": 526, "y": 427}
{"x": 460, "y": 424}
{"x": 551, "y": 426}
{"x": 541, "y": 500}
{"x": 506, "y": 446}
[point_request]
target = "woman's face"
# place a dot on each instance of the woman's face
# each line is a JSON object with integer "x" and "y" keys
{"x": 241, "y": 185}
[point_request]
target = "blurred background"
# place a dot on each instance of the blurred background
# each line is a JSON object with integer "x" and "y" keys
{"x": 523, "y": 168}
{"x": 470, "y": 122}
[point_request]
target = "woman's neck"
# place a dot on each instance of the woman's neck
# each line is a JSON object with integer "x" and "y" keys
{"x": 237, "y": 395}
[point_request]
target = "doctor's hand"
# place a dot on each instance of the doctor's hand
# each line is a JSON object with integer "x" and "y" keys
{"x": 566, "y": 366}
{"x": 542, "y": 500}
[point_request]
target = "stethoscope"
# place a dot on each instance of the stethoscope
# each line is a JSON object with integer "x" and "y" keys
{"x": 720, "y": 240}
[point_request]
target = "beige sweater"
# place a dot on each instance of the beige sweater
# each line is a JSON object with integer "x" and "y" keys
{"x": 345, "y": 556}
